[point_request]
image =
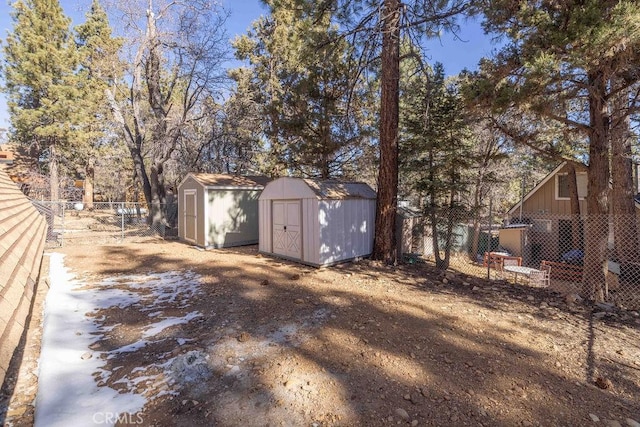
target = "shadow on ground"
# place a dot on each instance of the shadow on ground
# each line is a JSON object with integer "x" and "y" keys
{"x": 278, "y": 343}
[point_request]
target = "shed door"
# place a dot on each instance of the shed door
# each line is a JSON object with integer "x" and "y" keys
{"x": 190, "y": 215}
{"x": 287, "y": 237}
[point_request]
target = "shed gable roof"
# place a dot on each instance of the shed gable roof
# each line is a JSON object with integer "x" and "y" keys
{"x": 331, "y": 189}
{"x": 223, "y": 180}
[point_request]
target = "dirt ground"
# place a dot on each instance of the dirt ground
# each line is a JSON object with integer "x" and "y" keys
{"x": 277, "y": 343}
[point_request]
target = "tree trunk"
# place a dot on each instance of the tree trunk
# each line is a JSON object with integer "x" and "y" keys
{"x": 597, "y": 225}
{"x": 477, "y": 210}
{"x": 156, "y": 212}
{"x": 574, "y": 202}
{"x": 54, "y": 185}
{"x": 475, "y": 239}
{"x": 89, "y": 173}
{"x": 435, "y": 238}
{"x": 622, "y": 192}
{"x": 451, "y": 220}
{"x": 140, "y": 171}
{"x": 386, "y": 206}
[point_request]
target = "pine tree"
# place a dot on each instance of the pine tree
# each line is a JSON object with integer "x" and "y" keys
{"x": 377, "y": 28}
{"x": 436, "y": 150}
{"x": 100, "y": 68}
{"x": 40, "y": 63}
{"x": 316, "y": 117}
{"x": 572, "y": 54}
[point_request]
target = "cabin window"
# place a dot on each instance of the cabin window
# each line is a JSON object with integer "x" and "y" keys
{"x": 562, "y": 186}
{"x": 542, "y": 225}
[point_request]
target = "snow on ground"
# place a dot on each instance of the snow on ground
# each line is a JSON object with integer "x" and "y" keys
{"x": 69, "y": 371}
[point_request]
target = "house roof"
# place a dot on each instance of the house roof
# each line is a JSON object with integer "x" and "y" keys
{"x": 551, "y": 174}
{"x": 331, "y": 189}
{"x": 536, "y": 188}
{"x": 230, "y": 181}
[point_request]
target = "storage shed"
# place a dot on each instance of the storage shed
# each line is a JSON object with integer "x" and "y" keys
{"x": 216, "y": 211}
{"x": 315, "y": 222}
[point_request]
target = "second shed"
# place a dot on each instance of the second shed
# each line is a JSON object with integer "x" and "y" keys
{"x": 216, "y": 210}
{"x": 317, "y": 222}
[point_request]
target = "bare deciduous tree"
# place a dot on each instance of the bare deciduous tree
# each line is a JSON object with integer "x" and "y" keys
{"x": 176, "y": 49}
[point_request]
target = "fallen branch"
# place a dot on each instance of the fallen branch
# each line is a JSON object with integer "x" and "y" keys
{"x": 621, "y": 363}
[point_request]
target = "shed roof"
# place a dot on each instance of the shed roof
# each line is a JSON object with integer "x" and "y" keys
{"x": 223, "y": 180}
{"x": 331, "y": 189}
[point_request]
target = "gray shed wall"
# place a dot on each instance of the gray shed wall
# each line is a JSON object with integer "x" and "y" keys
{"x": 224, "y": 216}
{"x": 232, "y": 218}
{"x": 333, "y": 230}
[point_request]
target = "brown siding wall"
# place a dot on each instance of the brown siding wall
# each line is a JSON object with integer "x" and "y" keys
{"x": 22, "y": 238}
{"x": 544, "y": 201}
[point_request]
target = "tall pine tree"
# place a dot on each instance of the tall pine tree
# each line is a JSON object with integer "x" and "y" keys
{"x": 377, "y": 28}
{"x": 315, "y": 109}
{"x": 39, "y": 70}
{"x": 100, "y": 68}
{"x": 437, "y": 153}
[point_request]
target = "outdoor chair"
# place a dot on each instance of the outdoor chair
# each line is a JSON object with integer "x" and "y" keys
{"x": 542, "y": 278}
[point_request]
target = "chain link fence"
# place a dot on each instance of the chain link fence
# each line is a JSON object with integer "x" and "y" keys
{"x": 477, "y": 248}
{"x": 560, "y": 244}
{"x": 72, "y": 223}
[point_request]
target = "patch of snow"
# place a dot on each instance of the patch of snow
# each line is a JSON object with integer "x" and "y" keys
{"x": 68, "y": 392}
{"x": 158, "y": 327}
{"x": 183, "y": 341}
{"x": 129, "y": 348}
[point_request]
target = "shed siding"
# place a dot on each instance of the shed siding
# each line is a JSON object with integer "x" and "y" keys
{"x": 346, "y": 229}
{"x": 264, "y": 223}
{"x": 311, "y": 227}
{"x": 232, "y": 218}
{"x": 201, "y": 216}
{"x": 287, "y": 188}
{"x": 337, "y": 218}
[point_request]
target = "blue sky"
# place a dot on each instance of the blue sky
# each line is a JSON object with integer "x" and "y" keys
{"x": 454, "y": 54}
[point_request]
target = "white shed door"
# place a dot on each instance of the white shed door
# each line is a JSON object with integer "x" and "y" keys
{"x": 190, "y": 215}
{"x": 287, "y": 237}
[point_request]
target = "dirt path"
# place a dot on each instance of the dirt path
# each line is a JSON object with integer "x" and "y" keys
{"x": 268, "y": 342}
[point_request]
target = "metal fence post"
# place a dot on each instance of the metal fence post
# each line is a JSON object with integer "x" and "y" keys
{"x": 489, "y": 240}
{"x": 122, "y": 222}
{"x": 62, "y": 224}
